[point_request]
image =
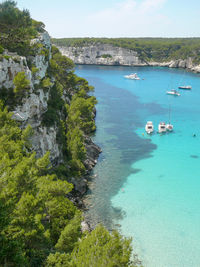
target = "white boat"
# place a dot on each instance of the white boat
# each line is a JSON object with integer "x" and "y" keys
{"x": 173, "y": 92}
{"x": 132, "y": 76}
{"x": 149, "y": 127}
{"x": 169, "y": 127}
{"x": 186, "y": 87}
{"x": 162, "y": 127}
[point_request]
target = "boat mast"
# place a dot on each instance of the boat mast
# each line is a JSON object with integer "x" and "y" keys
{"x": 169, "y": 113}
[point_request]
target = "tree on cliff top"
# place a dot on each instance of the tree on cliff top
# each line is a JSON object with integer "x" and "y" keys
{"x": 16, "y": 27}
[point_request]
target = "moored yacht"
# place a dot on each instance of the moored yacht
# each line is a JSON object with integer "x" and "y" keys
{"x": 186, "y": 87}
{"x": 132, "y": 76}
{"x": 169, "y": 126}
{"x": 162, "y": 127}
{"x": 149, "y": 127}
{"x": 173, "y": 92}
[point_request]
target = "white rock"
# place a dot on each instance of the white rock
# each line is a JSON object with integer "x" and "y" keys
{"x": 96, "y": 55}
{"x": 10, "y": 67}
{"x": 84, "y": 226}
{"x": 40, "y": 62}
{"x": 33, "y": 106}
{"x": 43, "y": 140}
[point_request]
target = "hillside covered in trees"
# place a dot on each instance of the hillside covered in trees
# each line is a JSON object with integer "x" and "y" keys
{"x": 41, "y": 99}
{"x": 148, "y": 49}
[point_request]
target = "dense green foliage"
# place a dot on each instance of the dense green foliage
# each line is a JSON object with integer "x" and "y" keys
{"x": 98, "y": 249}
{"x": 37, "y": 220}
{"x": 73, "y": 120}
{"x": 17, "y": 28}
{"x": 36, "y": 209}
{"x": 158, "y": 49}
{"x": 80, "y": 121}
{"x": 101, "y": 248}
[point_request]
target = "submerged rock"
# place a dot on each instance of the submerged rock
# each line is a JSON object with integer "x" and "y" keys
{"x": 92, "y": 153}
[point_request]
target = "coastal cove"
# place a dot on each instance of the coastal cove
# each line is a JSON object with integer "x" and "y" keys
{"x": 147, "y": 186}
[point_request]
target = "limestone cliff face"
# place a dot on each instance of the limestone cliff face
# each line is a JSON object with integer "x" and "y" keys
{"x": 34, "y": 103}
{"x": 10, "y": 65}
{"x": 104, "y": 54}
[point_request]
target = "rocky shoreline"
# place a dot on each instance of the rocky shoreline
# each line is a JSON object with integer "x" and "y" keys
{"x": 81, "y": 184}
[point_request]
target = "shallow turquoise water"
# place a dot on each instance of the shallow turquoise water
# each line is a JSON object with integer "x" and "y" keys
{"x": 150, "y": 185}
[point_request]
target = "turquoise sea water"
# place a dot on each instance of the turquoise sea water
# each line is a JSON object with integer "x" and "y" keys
{"x": 148, "y": 186}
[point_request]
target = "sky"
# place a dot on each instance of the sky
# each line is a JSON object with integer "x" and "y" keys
{"x": 116, "y": 18}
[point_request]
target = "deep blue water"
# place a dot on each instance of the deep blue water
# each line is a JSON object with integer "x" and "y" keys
{"x": 148, "y": 186}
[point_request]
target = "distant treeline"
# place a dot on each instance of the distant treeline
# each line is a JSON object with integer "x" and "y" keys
{"x": 158, "y": 49}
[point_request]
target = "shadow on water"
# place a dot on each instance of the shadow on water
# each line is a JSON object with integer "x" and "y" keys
{"x": 194, "y": 156}
{"x": 119, "y": 114}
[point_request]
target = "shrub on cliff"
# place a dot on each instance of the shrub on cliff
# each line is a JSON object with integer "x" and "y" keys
{"x": 22, "y": 84}
{"x": 98, "y": 248}
{"x": 1, "y": 49}
{"x": 80, "y": 112}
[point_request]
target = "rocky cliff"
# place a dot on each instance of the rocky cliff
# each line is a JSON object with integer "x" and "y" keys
{"x": 31, "y": 108}
{"x": 33, "y": 105}
{"x": 106, "y": 54}
{"x": 102, "y": 54}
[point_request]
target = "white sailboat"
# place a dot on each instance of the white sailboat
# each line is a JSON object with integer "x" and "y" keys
{"x": 184, "y": 86}
{"x": 169, "y": 126}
